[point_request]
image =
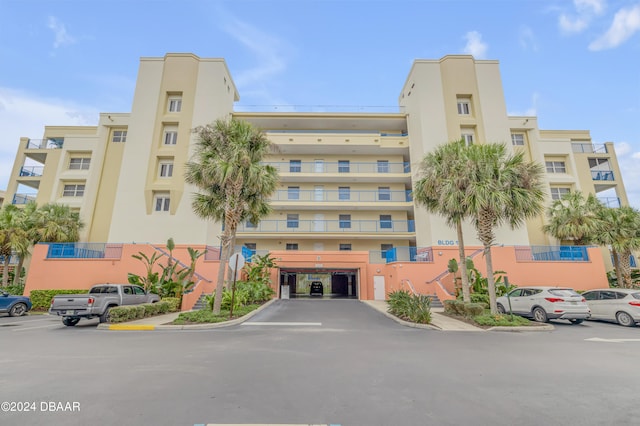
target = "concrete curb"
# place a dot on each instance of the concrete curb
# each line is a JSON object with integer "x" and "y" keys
{"x": 542, "y": 327}
{"x": 207, "y": 326}
{"x": 401, "y": 321}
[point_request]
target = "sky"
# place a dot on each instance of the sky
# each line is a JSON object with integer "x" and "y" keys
{"x": 573, "y": 64}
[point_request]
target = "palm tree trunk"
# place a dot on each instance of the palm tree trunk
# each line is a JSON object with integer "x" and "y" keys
{"x": 491, "y": 285}
{"x": 5, "y": 272}
{"x": 625, "y": 268}
{"x": 616, "y": 265}
{"x": 225, "y": 241}
{"x": 466, "y": 296}
{"x": 232, "y": 247}
{"x": 17, "y": 271}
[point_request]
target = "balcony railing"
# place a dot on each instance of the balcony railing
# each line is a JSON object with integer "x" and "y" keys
{"x": 612, "y": 202}
{"x": 84, "y": 251}
{"x": 31, "y": 170}
{"x": 23, "y": 198}
{"x": 329, "y": 226}
{"x": 602, "y": 175}
{"x": 551, "y": 254}
{"x": 307, "y": 195}
{"x": 335, "y": 167}
{"x": 589, "y": 148}
{"x": 13, "y": 260}
{"x": 51, "y": 143}
{"x": 402, "y": 254}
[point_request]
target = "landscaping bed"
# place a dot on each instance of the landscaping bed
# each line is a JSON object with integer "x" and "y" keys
{"x": 205, "y": 316}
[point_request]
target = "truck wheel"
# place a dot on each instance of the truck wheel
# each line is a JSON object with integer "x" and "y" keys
{"x": 70, "y": 322}
{"x": 18, "y": 310}
{"x": 105, "y": 316}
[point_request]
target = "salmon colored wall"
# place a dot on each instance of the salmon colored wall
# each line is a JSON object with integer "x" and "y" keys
{"x": 83, "y": 273}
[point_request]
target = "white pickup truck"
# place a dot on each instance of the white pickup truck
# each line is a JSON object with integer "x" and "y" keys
{"x": 97, "y": 303}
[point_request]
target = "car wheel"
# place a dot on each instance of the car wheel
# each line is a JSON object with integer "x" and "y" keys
{"x": 70, "y": 322}
{"x": 501, "y": 309}
{"x": 18, "y": 310}
{"x": 576, "y": 321}
{"x": 539, "y": 315}
{"x": 625, "y": 319}
{"x": 105, "y": 316}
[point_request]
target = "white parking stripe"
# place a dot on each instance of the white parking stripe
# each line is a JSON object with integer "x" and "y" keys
{"x": 598, "y": 339}
{"x": 316, "y": 324}
{"x": 34, "y": 328}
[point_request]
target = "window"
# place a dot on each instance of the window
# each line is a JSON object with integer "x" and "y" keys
{"x": 517, "y": 139}
{"x": 385, "y": 221}
{"x": 293, "y": 221}
{"x": 344, "y": 193}
{"x": 79, "y": 163}
{"x": 292, "y": 246}
{"x": 555, "y": 166}
{"x": 343, "y": 166}
{"x": 295, "y": 166}
{"x": 170, "y": 137}
{"x": 467, "y": 136}
{"x": 293, "y": 193}
{"x": 384, "y": 193}
{"x": 73, "y": 190}
{"x": 119, "y": 136}
{"x": 345, "y": 247}
{"x": 464, "y": 106}
{"x": 558, "y": 193}
{"x": 166, "y": 169}
{"x": 384, "y": 248}
{"x": 162, "y": 202}
{"x": 250, "y": 246}
{"x": 383, "y": 166}
{"x": 175, "y": 103}
{"x": 345, "y": 221}
{"x": 599, "y": 164}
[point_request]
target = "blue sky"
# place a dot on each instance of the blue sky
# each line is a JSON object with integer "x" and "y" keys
{"x": 574, "y": 64}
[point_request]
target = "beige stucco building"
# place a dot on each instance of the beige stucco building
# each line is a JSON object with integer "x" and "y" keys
{"x": 346, "y": 178}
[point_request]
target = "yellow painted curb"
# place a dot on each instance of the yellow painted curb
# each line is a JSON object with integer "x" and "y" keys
{"x": 131, "y": 327}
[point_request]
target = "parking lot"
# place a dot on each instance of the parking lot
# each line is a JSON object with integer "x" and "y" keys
{"x": 334, "y": 361}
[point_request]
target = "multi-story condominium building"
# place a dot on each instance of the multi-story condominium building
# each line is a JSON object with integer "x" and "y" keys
{"x": 346, "y": 178}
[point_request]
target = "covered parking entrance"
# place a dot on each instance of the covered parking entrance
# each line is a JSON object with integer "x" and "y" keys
{"x": 305, "y": 283}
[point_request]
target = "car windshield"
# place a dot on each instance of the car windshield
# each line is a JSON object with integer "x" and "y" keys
{"x": 563, "y": 292}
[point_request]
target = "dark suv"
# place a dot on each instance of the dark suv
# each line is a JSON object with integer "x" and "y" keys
{"x": 316, "y": 289}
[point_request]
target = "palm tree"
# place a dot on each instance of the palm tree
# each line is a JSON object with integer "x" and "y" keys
{"x": 441, "y": 190}
{"x": 503, "y": 188}
{"x": 621, "y": 230}
{"x": 57, "y": 223}
{"x": 14, "y": 238}
{"x": 235, "y": 186}
{"x": 574, "y": 218}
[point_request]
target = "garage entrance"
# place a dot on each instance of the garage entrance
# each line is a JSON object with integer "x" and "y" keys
{"x": 320, "y": 283}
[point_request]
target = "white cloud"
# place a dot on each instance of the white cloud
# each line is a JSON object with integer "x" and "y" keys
{"x": 570, "y": 25}
{"x": 587, "y": 6}
{"x": 586, "y": 10}
{"x": 62, "y": 38}
{"x": 626, "y": 23}
{"x": 527, "y": 39}
{"x": 25, "y": 115}
{"x": 475, "y": 46}
{"x": 267, "y": 49}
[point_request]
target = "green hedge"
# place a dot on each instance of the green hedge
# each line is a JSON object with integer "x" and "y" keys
{"x": 135, "y": 312}
{"x": 411, "y": 307}
{"x": 458, "y": 307}
{"x": 41, "y": 299}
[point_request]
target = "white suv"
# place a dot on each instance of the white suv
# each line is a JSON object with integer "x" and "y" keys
{"x": 545, "y": 303}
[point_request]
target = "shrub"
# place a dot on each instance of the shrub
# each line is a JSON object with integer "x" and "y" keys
{"x": 173, "y": 302}
{"x": 412, "y": 307}
{"x": 163, "y": 307}
{"x": 480, "y": 298}
{"x": 473, "y": 309}
{"x": 41, "y": 299}
{"x": 454, "y": 307}
{"x": 121, "y": 314}
{"x": 207, "y": 316}
{"x": 488, "y": 319}
{"x": 16, "y": 290}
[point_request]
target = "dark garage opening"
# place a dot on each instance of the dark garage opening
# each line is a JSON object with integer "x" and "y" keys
{"x": 336, "y": 284}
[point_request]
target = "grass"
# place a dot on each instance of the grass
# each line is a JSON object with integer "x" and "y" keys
{"x": 205, "y": 316}
{"x": 487, "y": 320}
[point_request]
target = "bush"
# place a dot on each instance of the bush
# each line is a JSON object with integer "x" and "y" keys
{"x": 121, "y": 314}
{"x": 16, "y": 290}
{"x": 454, "y": 307}
{"x": 488, "y": 319}
{"x": 173, "y": 302}
{"x": 473, "y": 309}
{"x": 411, "y": 307}
{"x": 41, "y": 299}
{"x": 480, "y": 298}
{"x": 207, "y": 316}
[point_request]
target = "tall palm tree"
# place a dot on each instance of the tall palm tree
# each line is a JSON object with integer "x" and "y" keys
{"x": 574, "y": 218}
{"x": 56, "y": 223}
{"x": 441, "y": 190}
{"x": 503, "y": 188}
{"x": 13, "y": 237}
{"x": 621, "y": 231}
{"x": 235, "y": 186}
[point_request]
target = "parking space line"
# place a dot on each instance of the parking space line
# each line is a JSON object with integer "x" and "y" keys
{"x": 316, "y": 324}
{"x": 34, "y": 328}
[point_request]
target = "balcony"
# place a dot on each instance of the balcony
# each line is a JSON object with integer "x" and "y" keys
{"x": 84, "y": 251}
{"x": 31, "y": 171}
{"x": 587, "y": 148}
{"x": 50, "y": 143}
{"x": 551, "y": 254}
{"x": 19, "y": 199}
{"x": 602, "y": 175}
{"x": 329, "y": 226}
{"x": 611, "y": 202}
{"x": 366, "y": 196}
{"x": 341, "y": 167}
{"x": 402, "y": 254}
